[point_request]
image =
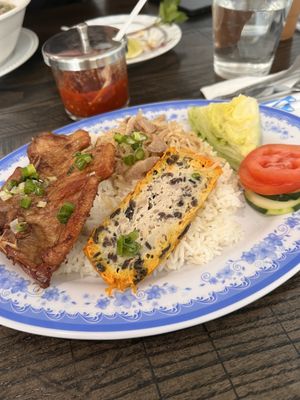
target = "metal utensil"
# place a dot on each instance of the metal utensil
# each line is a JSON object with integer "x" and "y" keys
{"x": 256, "y": 88}
{"x": 290, "y": 86}
{"x": 279, "y": 93}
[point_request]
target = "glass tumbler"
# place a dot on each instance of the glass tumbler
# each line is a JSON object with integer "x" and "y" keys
{"x": 246, "y": 35}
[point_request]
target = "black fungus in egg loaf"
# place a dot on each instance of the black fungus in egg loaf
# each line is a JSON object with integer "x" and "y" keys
{"x": 160, "y": 209}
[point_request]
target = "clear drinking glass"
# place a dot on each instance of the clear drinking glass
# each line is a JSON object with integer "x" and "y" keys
{"x": 246, "y": 35}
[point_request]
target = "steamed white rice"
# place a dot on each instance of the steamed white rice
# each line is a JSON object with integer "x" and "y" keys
{"x": 214, "y": 228}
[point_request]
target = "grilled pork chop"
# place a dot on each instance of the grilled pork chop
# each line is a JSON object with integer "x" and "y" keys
{"x": 69, "y": 171}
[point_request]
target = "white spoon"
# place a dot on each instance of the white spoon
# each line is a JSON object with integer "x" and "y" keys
{"x": 139, "y": 5}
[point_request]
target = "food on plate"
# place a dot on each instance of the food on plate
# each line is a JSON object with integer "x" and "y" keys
{"x": 144, "y": 41}
{"x": 44, "y": 205}
{"x": 5, "y": 7}
{"x": 148, "y": 224}
{"x": 271, "y": 176}
{"x": 214, "y": 228}
{"x": 268, "y": 206}
{"x": 93, "y": 91}
{"x": 134, "y": 48}
{"x": 272, "y": 169}
{"x": 233, "y": 128}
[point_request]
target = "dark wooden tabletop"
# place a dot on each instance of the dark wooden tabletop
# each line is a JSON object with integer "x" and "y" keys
{"x": 250, "y": 354}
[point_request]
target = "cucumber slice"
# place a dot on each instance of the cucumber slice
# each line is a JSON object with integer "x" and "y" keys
{"x": 282, "y": 197}
{"x": 271, "y": 207}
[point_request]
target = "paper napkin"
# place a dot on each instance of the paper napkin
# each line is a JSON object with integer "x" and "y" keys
{"x": 231, "y": 85}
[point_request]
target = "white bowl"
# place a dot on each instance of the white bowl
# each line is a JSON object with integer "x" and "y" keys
{"x": 10, "y": 27}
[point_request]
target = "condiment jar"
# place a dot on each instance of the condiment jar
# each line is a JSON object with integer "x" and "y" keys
{"x": 89, "y": 68}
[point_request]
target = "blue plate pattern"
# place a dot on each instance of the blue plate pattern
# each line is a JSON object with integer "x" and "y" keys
{"x": 81, "y": 307}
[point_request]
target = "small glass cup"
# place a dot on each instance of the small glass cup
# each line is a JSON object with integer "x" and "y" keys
{"x": 246, "y": 35}
{"x": 89, "y": 68}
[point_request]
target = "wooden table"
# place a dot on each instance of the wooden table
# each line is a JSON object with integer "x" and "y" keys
{"x": 250, "y": 354}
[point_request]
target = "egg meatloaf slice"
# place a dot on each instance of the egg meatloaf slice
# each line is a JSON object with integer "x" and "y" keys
{"x": 151, "y": 220}
{"x": 52, "y": 217}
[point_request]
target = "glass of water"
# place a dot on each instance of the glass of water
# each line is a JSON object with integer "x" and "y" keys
{"x": 246, "y": 35}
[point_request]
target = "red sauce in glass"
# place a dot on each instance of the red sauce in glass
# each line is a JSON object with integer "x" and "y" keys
{"x": 88, "y": 93}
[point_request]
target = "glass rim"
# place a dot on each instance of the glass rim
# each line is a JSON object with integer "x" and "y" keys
{"x": 84, "y": 61}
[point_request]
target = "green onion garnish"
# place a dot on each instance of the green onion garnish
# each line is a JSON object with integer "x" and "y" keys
{"x": 29, "y": 186}
{"x": 65, "y": 212}
{"x": 33, "y": 186}
{"x": 139, "y": 136}
{"x": 129, "y": 160}
{"x": 196, "y": 176}
{"x": 21, "y": 226}
{"x": 25, "y": 202}
{"x": 10, "y": 184}
{"x": 127, "y": 245}
{"x": 39, "y": 190}
{"x": 29, "y": 172}
{"x": 139, "y": 154}
{"x": 119, "y": 138}
{"x": 135, "y": 142}
{"x": 129, "y": 140}
{"x": 82, "y": 160}
{"x": 135, "y": 146}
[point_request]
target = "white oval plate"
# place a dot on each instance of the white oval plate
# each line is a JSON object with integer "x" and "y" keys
{"x": 79, "y": 308}
{"x": 27, "y": 44}
{"x": 171, "y": 32}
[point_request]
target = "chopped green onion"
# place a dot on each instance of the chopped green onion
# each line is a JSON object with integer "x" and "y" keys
{"x": 25, "y": 202}
{"x": 127, "y": 245}
{"x": 119, "y": 138}
{"x": 21, "y": 226}
{"x": 10, "y": 184}
{"x": 18, "y": 189}
{"x": 139, "y": 136}
{"x": 133, "y": 235}
{"x": 29, "y": 172}
{"x": 65, "y": 212}
{"x": 135, "y": 146}
{"x": 29, "y": 186}
{"x": 129, "y": 160}
{"x": 128, "y": 139}
{"x": 139, "y": 154}
{"x": 82, "y": 160}
{"x": 39, "y": 190}
{"x": 196, "y": 176}
{"x": 33, "y": 186}
{"x": 6, "y": 190}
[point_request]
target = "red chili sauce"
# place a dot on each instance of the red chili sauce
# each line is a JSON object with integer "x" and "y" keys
{"x": 91, "y": 92}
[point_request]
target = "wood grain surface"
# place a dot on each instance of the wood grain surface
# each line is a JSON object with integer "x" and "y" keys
{"x": 250, "y": 354}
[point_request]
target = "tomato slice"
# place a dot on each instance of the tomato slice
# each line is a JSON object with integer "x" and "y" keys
{"x": 275, "y": 163}
{"x": 249, "y": 182}
{"x": 272, "y": 169}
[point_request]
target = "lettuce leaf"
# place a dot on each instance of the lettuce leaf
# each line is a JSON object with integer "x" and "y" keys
{"x": 233, "y": 128}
